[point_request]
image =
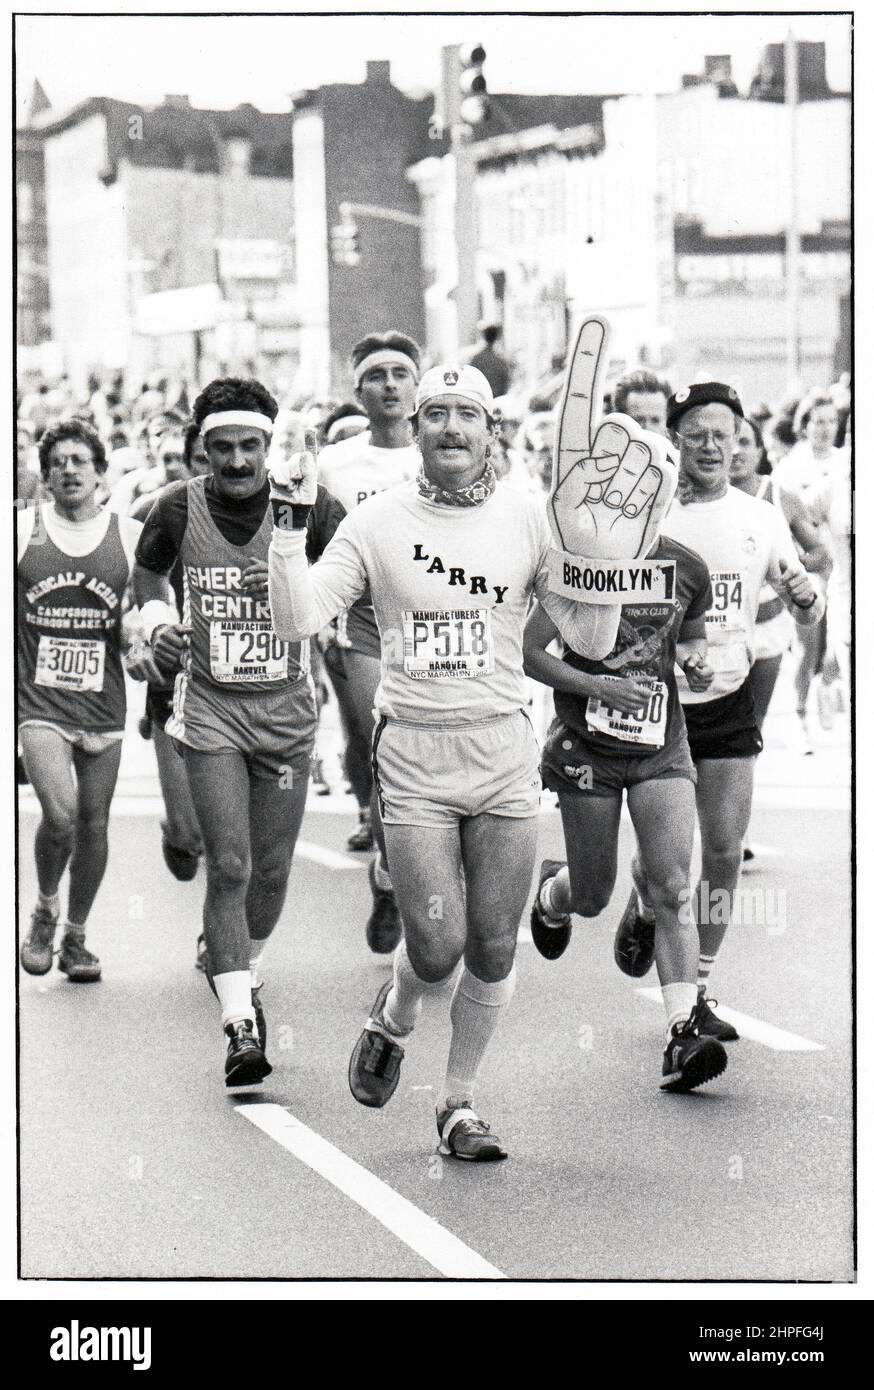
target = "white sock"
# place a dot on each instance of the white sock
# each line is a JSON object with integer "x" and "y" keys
{"x": 680, "y": 999}
{"x": 234, "y": 989}
{"x": 705, "y": 965}
{"x": 49, "y": 902}
{"x": 477, "y": 1006}
{"x": 545, "y": 898}
{"x": 256, "y": 953}
{"x": 381, "y": 876}
{"x": 403, "y": 1003}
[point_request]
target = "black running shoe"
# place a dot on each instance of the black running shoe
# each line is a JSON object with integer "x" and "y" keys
{"x": 144, "y": 726}
{"x": 634, "y": 942}
{"x": 182, "y": 863}
{"x": 549, "y": 935}
{"x": 375, "y": 1064}
{"x": 711, "y": 1025}
{"x": 245, "y": 1064}
{"x": 384, "y": 927}
{"x": 362, "y": 838}
{"x": 691, "y": 1057}
{"x": 77, "y": 963}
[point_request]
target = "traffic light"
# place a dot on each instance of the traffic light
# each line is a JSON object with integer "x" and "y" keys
{"x": 345, "y": 244}
{"x": 474, "y": 104}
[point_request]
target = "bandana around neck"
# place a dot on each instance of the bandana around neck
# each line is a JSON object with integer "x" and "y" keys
{"x": 473, "y": 495}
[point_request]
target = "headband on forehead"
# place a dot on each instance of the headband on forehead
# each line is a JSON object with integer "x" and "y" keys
{"x": 253, "y": 418}
{"x": 385, "y": 357}
{"x": 361, "y": 422}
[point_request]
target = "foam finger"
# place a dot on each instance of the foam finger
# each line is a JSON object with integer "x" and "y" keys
{"x": 580, "y": 398}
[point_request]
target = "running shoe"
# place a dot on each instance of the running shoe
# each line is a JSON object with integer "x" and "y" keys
{"x": 550, "y": 935}
{"x": 464, "y": 1135}
{"x": 375, "y": 1064}
{"x": 712, "y": 1026}
{"x": 201, "y": 960}
{"x": 634, "y": 942}
{"x": 317, "y": 779}
{"x": 38, "y": 947}
{"x": 384, "y": 928}
{"x": 182, "y": 863}
{"x": 77, "y": 963}
{"x": 144, "y": 726}
{"x": 362, "y": 838}
{"x": 803, "y": 744}
{"x": 691, "y": 1057}
{"x": 245, "y": 1064}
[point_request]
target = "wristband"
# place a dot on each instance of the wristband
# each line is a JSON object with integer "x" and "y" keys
{"x": 156, "y": 613}
{"x": 290, "y": 516}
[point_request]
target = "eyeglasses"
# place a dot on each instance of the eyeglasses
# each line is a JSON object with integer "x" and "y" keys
{"x": 700, "y": 437}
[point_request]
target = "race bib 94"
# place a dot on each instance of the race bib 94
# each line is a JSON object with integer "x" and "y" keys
{"x": 441, "y": 643}
{"x": 246, "y": 651}
{"x": 70, "y": 663}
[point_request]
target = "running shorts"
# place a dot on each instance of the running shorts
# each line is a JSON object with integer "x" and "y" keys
{"x": 725, "y": 727}
{"x": 427, "y": 774}
{"x": 88, "y": 741}
{"x": 273, "y": 730}
{"x": 572, "y": 764}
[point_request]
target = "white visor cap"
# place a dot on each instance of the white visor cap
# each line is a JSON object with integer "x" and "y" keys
{"x": 448, "y": 380}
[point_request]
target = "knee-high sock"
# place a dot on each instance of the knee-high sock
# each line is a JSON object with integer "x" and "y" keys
{"x": 404, "y": 1000}
{"x": 477, "y": 1006}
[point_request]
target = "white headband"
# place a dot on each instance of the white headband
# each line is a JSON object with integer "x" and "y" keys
{"x": 385, "y": 357}
{"x": 360, "y": 421}
{"x": 237, "y": 417}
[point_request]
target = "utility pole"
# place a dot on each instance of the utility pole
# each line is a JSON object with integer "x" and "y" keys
{"x": 463, "y": 101}
{"x": 793, "y": 233}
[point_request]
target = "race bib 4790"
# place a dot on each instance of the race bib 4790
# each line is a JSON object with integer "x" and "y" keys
{"x": 645, "y": 725}
{"x": 444, "y": 642}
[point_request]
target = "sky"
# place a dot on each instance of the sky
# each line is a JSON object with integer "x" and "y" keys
{"x": 220, "y": 61}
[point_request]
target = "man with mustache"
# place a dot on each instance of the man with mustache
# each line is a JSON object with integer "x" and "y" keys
{"x": 243, "y": 710}
{"x": 74, "y": 563}
{"x": 386, "y": 368}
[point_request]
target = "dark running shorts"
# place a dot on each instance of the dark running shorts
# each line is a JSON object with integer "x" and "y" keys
{"x": 725, "y": 727}
{"x": 572, "y": 764}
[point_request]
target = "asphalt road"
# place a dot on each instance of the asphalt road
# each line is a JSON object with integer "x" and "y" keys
{"x": 136, "y": 1162}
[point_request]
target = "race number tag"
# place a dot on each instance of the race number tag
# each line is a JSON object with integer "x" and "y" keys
{"x": 646, "y": 725}
{"x": 70, "y": 663}
{"x": 726, "y": 629}
{"x": 246, "y": 651}
{"x": 440, "y": 643}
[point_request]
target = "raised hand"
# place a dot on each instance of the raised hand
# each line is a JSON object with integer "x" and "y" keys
{"x": 611, "y": 482}
{"x": 294, "y": 479}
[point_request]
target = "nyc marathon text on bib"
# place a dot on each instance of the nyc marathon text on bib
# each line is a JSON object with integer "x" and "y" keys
{"x": 440, "y": 643}
{"x": 70, "y": 663}
{"x": 246, "y": 651}
{"x": 609, "y": 581}
{"x": 645, "y": 725}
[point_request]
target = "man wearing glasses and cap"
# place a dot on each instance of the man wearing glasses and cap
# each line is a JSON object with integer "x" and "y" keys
{"x": 452, "y": 560}
{"x": 745, "y": 542}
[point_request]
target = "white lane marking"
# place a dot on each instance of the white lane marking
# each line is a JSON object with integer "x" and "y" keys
{"x": 439, "y": 1247}
{"x": 753, "y": 1028}
{"x": 331, "y": 858}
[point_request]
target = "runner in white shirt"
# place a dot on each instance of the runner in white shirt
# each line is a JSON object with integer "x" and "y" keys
{"x": 386, "y": 369}
{"x": 452, "y": 560}
{"x": 745, "y": 542}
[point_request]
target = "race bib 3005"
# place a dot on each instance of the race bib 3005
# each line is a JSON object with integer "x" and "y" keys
{"x": 440, "y": 643}
{"x": 246, "y": 651}
{"x": 607, "y": 581}
{"x": 70, "y": 663}
{"x": 646, "y": 725}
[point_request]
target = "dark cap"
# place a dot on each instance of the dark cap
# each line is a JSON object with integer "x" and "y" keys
{"x": 702, "y": 393}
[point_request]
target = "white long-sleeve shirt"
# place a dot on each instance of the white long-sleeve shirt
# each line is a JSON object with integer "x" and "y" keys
{"x": 451, "y": 589}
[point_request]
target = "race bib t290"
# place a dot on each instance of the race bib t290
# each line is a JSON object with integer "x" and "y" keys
{"x": 246, "y": 651}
